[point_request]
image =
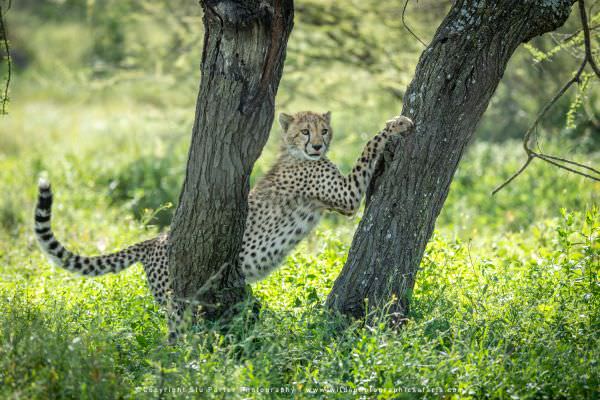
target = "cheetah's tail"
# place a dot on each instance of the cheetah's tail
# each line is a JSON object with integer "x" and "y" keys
{"x": 90, "y": 266}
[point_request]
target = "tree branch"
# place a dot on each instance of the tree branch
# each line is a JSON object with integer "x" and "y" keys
{"x": 7, "y": 55}
{"x": 570, "y": 162}
{"x": 406, "y": 26}
{"x": 549, "y": 160}
{"x": 556, "y": 161}
{"x": 586, "y": 38}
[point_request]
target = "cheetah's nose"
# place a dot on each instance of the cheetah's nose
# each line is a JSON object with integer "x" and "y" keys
{"x": 317, "y": 147}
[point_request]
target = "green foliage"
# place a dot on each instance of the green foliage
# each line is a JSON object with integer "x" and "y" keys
{"x": 363, "y": 46}
{"x": 108, "y": 38}
{"x": 580, "y": 105}
{"x": 507, "y": 298}
{"x": 514, "y": 314}
{"x": 506, "y": 302}
{"x": 148, "y": 183}
{"x": 578, "y": 100}
{"x": 471, "y": 209}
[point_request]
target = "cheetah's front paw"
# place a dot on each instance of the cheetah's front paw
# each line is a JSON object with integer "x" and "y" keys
{"x": 399, "y": 125}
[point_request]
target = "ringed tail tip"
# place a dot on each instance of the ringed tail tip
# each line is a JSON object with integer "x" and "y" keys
{"x": 43, "y": 184}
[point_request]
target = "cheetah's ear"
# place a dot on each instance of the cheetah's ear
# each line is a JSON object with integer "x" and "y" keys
{"x": 327, "y": 117}
{"x": 285, "y": 120}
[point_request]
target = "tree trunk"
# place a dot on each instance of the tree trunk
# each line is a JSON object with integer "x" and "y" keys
{"x": 242, "y": 62}
{"x": 454, "y": 81}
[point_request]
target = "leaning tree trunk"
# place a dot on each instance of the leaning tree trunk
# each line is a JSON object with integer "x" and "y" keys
{"x": 242, "y": 62}
{"x": 454, "y": 81}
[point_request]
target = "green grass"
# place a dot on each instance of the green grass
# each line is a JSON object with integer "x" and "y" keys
{"x": 506, "y": 303}
{"x": 516, "y": 317}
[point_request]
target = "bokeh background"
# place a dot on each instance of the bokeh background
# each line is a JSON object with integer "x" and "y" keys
{"x": 110, "y": 86}
{"x": 102, "y": 98}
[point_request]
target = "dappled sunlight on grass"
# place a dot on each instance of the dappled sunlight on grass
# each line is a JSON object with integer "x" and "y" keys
{"x": 516, "y": 314}
{"x": 506, "y": 299}
{"x": 506, "y": 303}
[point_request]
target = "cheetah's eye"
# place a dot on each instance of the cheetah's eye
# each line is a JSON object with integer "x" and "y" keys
{"x": 304, "y": 131}
{"x": 324, "y": 132}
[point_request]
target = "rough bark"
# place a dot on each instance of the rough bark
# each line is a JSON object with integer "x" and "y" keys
{"x": 242, "y": 62}
{"x": 454, "y": 81}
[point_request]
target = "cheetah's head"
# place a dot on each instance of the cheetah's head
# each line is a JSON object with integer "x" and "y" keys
{"x": 306, "y": 135}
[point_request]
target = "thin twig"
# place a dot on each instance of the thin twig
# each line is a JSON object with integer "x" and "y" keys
{"x": 550, "y": 104}
{"x": 573, "y": 35}
{"x": 556, "y": 161}
{"x": 549, "y": 160}
{"x": 406, "y": 26}
{"x": 7, "y": 55}
{"x": 572, "y": 162}
{"x": 509, "y": 180}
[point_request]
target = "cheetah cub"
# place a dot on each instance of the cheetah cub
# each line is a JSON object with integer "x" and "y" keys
{"x": 283, "y": 207}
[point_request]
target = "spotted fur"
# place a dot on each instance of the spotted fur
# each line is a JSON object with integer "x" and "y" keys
{"x": 283, "y": 207}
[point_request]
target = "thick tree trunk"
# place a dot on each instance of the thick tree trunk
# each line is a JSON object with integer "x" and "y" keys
{"x": 454, "y": 81}
{"x": 242, "y": 62}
